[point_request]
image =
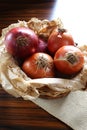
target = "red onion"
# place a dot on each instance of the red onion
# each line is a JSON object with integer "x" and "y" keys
{"x": 21, "y": 42}
{"x": 42, "y": 46}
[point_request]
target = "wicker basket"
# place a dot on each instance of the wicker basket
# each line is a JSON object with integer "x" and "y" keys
{"x": 16, "y": 82}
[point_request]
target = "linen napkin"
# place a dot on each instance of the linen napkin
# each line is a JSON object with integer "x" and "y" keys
{"x": 71, "y": 109}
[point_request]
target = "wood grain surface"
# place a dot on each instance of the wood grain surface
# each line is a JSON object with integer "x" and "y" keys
{"x": 15, "y": 113}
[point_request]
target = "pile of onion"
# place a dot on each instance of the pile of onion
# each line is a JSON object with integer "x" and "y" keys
{"x": 41, "y": 58}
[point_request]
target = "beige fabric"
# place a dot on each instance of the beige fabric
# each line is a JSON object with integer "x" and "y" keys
{"x": 71, "y": 109}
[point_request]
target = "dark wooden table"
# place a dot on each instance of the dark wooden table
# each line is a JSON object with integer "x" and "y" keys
{"x": 17, "y": 113}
